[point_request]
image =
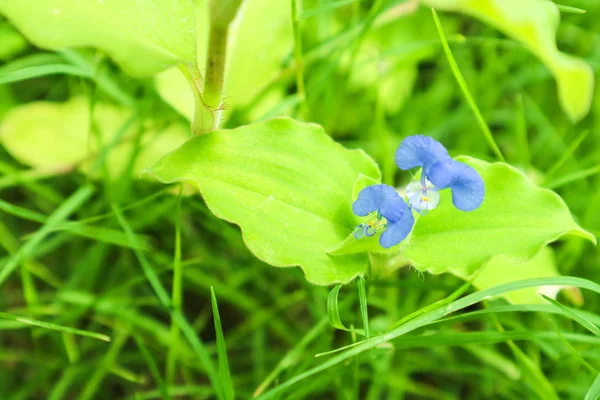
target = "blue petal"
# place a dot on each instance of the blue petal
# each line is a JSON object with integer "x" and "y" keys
{"x": 382, "y": 198}
{"x": 420, "y": 151}
{"x": 397, "y": 232}
{"x": 468, "y": 188}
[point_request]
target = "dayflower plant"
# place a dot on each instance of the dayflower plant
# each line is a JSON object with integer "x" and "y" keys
{"x": 392, "y": 216}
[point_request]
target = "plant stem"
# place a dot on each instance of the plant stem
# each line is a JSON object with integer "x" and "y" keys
{"x": 296, "y": 5}
{"x": 209, "y": 104}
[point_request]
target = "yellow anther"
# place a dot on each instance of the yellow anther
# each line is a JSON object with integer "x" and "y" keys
{"x": 423, "y": 198}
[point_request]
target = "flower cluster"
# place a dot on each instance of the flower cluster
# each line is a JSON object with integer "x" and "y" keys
{"x": 390, "y": 214}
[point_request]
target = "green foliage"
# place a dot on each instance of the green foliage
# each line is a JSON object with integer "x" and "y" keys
{"x": 56, "y": 136}
{"x": 143, "y": 37}
{"x": 90, "y": 251}
{"x": 516, "y": 220}
{"x": 534, "y": 23}
{"x": 273, "y": 180}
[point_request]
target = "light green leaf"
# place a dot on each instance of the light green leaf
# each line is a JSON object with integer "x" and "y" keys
{"x": 143, "y": 36}
{"x": 51, "y": 136}
{"x": 501, "y": 269}
{"x": 516, "y": 220}
{"x": 175, "y": 90}
{"x": 534, "y": 22}
{"x": 12, "y": 41}
{"x": 286, "y": 184}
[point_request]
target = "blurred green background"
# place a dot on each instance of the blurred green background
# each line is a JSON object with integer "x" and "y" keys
{"x": 374, "y": 72}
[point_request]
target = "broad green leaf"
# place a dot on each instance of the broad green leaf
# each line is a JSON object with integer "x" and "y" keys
{"x": 260, "y": 38}
{"x": 501, "y": 269}
{"x": 143, "y": 36}
{"x": 51, "y": 136}
{"x": 534, "y": 23}
{"x": 288, "y": 186}
{"x": 516, "y": 220}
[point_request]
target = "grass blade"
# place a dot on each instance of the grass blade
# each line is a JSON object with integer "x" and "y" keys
{"x": 594, "y": 391}
{"x": 362, "y": 297}
{"x": 153, "y": 367}
{"x": 55, "y": 327}
{"x": 176, "y": 296}
{"x": 224, "y": 372}
{"x": 465, "y": 90}
{"x": 575, "y": 317}
{"x": 162, "y": 295}
{"x": 428, "y": 318}
{"x": 73, "y": 203}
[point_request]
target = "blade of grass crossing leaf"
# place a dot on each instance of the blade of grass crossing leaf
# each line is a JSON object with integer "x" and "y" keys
{"x": 73, "y": 203}
{"x": 55, "y": 327}
{"x": 453, "y": 296}
{"x": 465, "y": 90}
{"x": 162, "y": 295}
{"x": 176, "y": 296}
{"x": 152, "y": 367}
{"x": 428, "y": 318}
{"x": 362, "y": 297}
{"x": 594, "y": 392}
{"x": 224, "y": 373}
{"x": 575, "y": 317}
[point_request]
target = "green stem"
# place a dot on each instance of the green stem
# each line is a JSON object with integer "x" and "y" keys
{"x": 296, "y": 5}
{"x": 209, "y": 98}
{"x": 176, "y": 296}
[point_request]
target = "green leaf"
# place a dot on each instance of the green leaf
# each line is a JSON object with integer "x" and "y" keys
{"x": 333, "y": 310}
{"x": 501, "y": 269}
{"x": 534, "y": 23}
{"x": 286, "y": 184}
{"x": 516, "y": 220}
{"x": 144, "y": 37}
{"x": 12, "y": 41}
{"x": 52, "y": 136}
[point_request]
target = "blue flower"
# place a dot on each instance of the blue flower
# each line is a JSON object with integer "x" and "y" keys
{"x": 439, "y": 172}
{"x": 390, "y": 214}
